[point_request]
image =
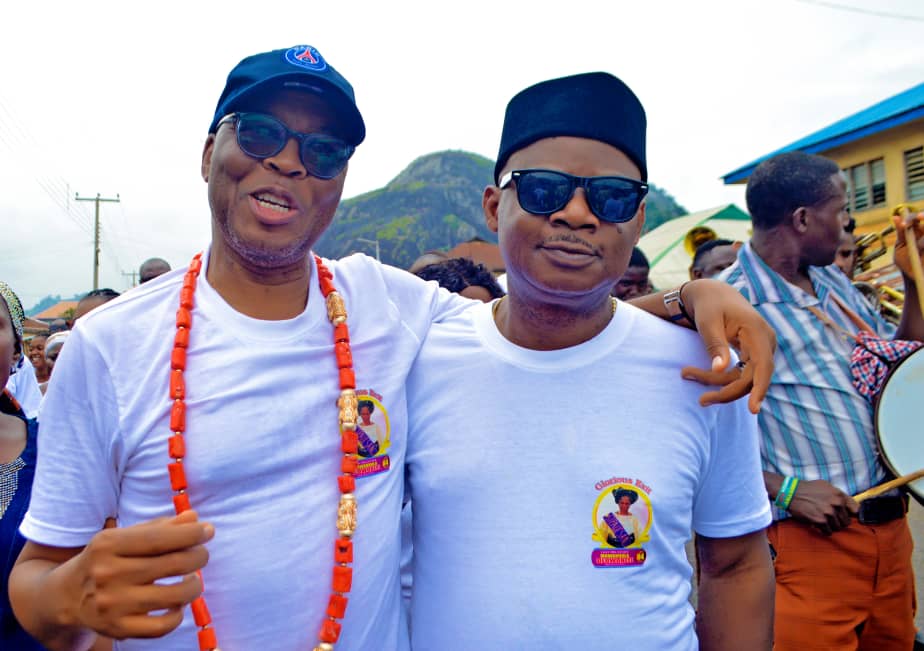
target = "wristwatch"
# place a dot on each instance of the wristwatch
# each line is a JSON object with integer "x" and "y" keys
{"x": 676, "y": 310}
{"x": 672, "y": 304}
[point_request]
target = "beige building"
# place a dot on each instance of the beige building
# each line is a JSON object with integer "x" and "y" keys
{"x": 880, "y": 149}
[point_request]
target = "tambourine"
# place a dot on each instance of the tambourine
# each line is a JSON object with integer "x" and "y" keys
{"x": 899, "y": 421}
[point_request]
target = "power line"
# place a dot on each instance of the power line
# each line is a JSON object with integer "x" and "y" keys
{"x": 861, "y": 10}
{"x": 125, "y": 234}
{"x": 28, "y": 143}
{"x": 62, "y": 203}
{"x": 83, "y": 224}
{"x": 22, "y": 145}
{"x": 108, "y": 236}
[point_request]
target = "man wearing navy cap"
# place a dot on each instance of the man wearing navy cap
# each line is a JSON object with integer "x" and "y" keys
{"x": 228, "y": 392}
{"x": 260, "y": 458}
{"x": 574, "y": 409}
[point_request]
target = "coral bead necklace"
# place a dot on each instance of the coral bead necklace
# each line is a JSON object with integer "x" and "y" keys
{"x": 349, "y": 412}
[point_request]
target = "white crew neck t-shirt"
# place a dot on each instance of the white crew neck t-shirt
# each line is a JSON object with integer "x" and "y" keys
{"x": 263, "y": 448}
{"x": 25, "y": 389}
{"x": 516, "y": 460}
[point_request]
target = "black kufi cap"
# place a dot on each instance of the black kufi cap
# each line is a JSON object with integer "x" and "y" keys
{"x": 593, "y": 105}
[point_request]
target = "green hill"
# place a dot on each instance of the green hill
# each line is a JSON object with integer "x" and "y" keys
{"x": 435, "y": 203}
{"x": 660, "y": 207}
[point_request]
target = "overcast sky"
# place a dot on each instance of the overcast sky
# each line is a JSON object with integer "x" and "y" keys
{"x": 116, "y": 98}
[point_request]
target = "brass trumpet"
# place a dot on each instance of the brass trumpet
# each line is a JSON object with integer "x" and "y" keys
{"x": 695, "y": 237}
{"x": 884, "y": 286}
{"x": 917, "y": 270}
{"x": 872, "y": 246}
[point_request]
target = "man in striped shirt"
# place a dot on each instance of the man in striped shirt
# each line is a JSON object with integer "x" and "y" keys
{"x": 844, "y": 578}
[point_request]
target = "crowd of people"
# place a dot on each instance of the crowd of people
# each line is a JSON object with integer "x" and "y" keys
{"x": 29, "y": 360}
{"x": 262, "y": 448}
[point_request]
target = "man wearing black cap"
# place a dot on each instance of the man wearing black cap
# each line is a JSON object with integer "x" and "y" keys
{"x": 232, "y": 388}
{"x": 572, "y": 400}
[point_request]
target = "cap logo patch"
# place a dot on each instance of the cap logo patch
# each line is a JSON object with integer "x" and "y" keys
{"x": 305, "y": 56}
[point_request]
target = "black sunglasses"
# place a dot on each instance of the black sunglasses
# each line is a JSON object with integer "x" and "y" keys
{"x": 261, "y": 136}
{"x": 613, "y": 199}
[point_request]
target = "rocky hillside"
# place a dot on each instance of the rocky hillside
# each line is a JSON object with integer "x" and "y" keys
{"x": 435, "y": 203}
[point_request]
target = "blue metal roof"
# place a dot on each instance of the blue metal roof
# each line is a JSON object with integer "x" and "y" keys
{"x": 892, "y": 112}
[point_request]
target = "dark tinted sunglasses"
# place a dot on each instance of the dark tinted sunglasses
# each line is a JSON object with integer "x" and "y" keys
{"x": 262, "y": 136}
{"x": 613, "y": 199}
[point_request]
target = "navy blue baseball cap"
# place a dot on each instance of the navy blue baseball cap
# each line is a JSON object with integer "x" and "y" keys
{"x": 301, "y": 67}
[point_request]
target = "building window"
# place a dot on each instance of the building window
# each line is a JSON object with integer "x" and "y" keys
{"x": 859, "y": 190}
{"x": 877, "y": 178}
{"x": 867, "y": 185}
{"x": 914, "y": 173}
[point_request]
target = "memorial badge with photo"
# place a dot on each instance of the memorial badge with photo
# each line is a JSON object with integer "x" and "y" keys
{"x": 373, "y": 432}
{"x": 622, "y": 520}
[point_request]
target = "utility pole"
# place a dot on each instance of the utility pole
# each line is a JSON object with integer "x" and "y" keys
{"x": 375, "y": 242}
{"x": 97, "y": 199}
{"x": 134, "y": 275}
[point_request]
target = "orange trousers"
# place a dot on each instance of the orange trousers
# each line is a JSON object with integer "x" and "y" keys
{"x": 853, "y": 590}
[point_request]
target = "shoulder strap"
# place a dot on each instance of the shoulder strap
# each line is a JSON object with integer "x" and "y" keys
{"x": 862, "y": 326}
{"x": 853, "y": 316}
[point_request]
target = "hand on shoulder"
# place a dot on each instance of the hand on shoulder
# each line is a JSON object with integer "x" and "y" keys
{"x": 724, "y": 317}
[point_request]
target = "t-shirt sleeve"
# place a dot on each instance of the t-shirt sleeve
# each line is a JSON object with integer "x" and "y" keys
{"x": 76, "y": 483}
{"x": 732, "y": 500}
{"x": 421, "y": 302}
{"x": 26, "y": 389}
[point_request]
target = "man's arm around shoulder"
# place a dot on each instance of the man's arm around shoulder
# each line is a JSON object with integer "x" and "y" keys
{"x": 736, "y": 593}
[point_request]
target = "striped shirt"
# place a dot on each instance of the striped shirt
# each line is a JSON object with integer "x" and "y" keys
{"x": 813, "y": 424}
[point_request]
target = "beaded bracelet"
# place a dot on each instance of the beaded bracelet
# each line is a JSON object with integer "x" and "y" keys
{"x": 786, "y": 492}
{"x": 781, "y": 500}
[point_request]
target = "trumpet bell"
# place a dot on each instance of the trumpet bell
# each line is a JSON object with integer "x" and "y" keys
{"x": 874, "y": 245}
{"x": 883, "y": 287}
{"x": 869, "y": 291}
{"x": 697, "y": 236}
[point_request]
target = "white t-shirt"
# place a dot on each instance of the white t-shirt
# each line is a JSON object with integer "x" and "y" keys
{"x": 515, "y": 457}
{"x": 25, "y": 388}
{"x": 263, "y": 448}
